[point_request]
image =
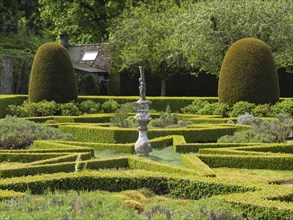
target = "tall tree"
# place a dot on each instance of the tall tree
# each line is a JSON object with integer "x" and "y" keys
{"x": 208, "y": 28}
{"x": 9, "y": 16}
{"x": 16, "y": 14}
{"x": 143, "y": 34}
{"x": 31, "y": 15}
{"x": 170, "y": 37}
{"x": 85, "y": 20}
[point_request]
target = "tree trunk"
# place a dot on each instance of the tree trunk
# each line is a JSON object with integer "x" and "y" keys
{"x": 163, "y": 87}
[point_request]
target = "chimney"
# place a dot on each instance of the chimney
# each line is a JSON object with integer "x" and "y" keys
{"x": 64, "y": 39}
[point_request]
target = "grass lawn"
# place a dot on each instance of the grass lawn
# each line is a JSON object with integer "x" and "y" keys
{"x": 139, "y": 204}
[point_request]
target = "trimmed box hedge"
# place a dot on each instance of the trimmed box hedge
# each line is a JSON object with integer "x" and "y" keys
{"x": 65, "y": 167}
{"x": 249, "y": 161}
{"x": 224, "y": 151}
{"x": 27, "y": 157}
{"x": 9, "y": 194}
{"x": 6, "y": 100}
{"x": 150, "y": 165}
{"x": 122, "y": 148}
{"x": 285, "y": 149}
{"x": 259, "y": 205}
{"x": 193, "y": 162}
{"x": 158, "y": 103}
{"x": 195, "y": 147}
{"x": 66, "y": 158}
{"x": 113, "y": 181}
{"x": 273, "y": 148}
{"x": 253, "y": 203}
{"x": 55, "y": 146}
{"x": 128, "y": 135}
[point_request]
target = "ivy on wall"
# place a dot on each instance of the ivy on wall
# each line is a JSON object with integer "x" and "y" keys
{"x": 17, "y": 74}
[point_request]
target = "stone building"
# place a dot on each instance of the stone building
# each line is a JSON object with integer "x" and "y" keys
{"x": 92, "y": 64}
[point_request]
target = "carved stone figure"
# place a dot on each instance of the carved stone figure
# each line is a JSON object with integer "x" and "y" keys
{"x": 142, "y": 89}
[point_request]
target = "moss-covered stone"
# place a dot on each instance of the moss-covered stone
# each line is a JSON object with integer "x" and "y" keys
{"x": 52, "y": 76}
{"x": 248, "y": 73}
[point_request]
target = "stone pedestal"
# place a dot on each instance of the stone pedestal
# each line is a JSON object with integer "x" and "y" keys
{"x": 142, "y": 146}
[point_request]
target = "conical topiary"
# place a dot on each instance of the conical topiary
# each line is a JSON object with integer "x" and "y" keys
{"x": 52, "y": 75}
{"x": 248, "y": 73}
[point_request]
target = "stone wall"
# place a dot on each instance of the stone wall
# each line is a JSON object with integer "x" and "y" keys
{"x": 14, "y": 74}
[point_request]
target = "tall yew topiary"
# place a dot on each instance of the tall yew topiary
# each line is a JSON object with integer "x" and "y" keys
{"x": 52, "y": 75}
{"x": 248, "y": 73}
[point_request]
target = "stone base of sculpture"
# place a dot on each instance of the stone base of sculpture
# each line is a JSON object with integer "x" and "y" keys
{"x": 142, "y": 146}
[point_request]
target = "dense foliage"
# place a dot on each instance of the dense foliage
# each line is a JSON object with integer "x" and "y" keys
{"x": 122, "y": 118}
{"x": 18, "y": 133}
{"x": 248, "y": 73}
{"x": 52, "y": 76}
{"x": 206, "y": 29}
{"x": 196, "y": 35}
{"x": 263, "y": 131}
{"x": 85, "y": 21}
{"x": 202, "y": 107}
{"x": 168, "y": 119}
{"x": 49, "y": 108}
{"x": 146, "y": 40}
{"x": 168, "y": 37}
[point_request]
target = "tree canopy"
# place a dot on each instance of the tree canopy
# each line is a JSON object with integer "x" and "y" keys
{"x": 142, "y": 36}
{"x": 206, "y": 29}
{"x": 86, "y": 21}
{"x": 169, "y": 37}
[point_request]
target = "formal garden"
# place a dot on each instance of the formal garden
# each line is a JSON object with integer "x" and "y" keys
{"x": 64, "y": 155}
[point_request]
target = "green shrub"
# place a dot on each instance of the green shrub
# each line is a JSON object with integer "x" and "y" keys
{"x": 18, "y": 133}
{"x": 110, "y": 106}
{"x": 69, "y": 109}
{"x": 241, "y": 108}
{"x": 221, "y": 109}
{"x": 122, "y": 119}
{"x": 279, "y": 130}
{"x": 52, "y": 76}
{"x": 127, "y": 107}
{"x": 89, "y": 107}
{"x": 206, "y": 108}
{"x": 245, "y": 119}
{"x": 263, "y": 131}
{"x": 194, "y": 107}
{"x": 18, "y": 110}
{"x": 248, "y": 73}
{"x": 44, "y": 108}
{"x": 47, "y": 108}
{"x": 167, "y": 119}
{"x": 283, "y": 107}
{"x": 246, "y": 136}
{"x": 263, "y": 110}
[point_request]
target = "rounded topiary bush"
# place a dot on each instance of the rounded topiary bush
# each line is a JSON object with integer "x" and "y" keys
{"x": 248, "y": 73}
{"x": 52, "y": 75}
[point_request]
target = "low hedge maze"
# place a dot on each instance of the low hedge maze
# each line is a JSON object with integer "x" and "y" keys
{"x": 66, "y": 165}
